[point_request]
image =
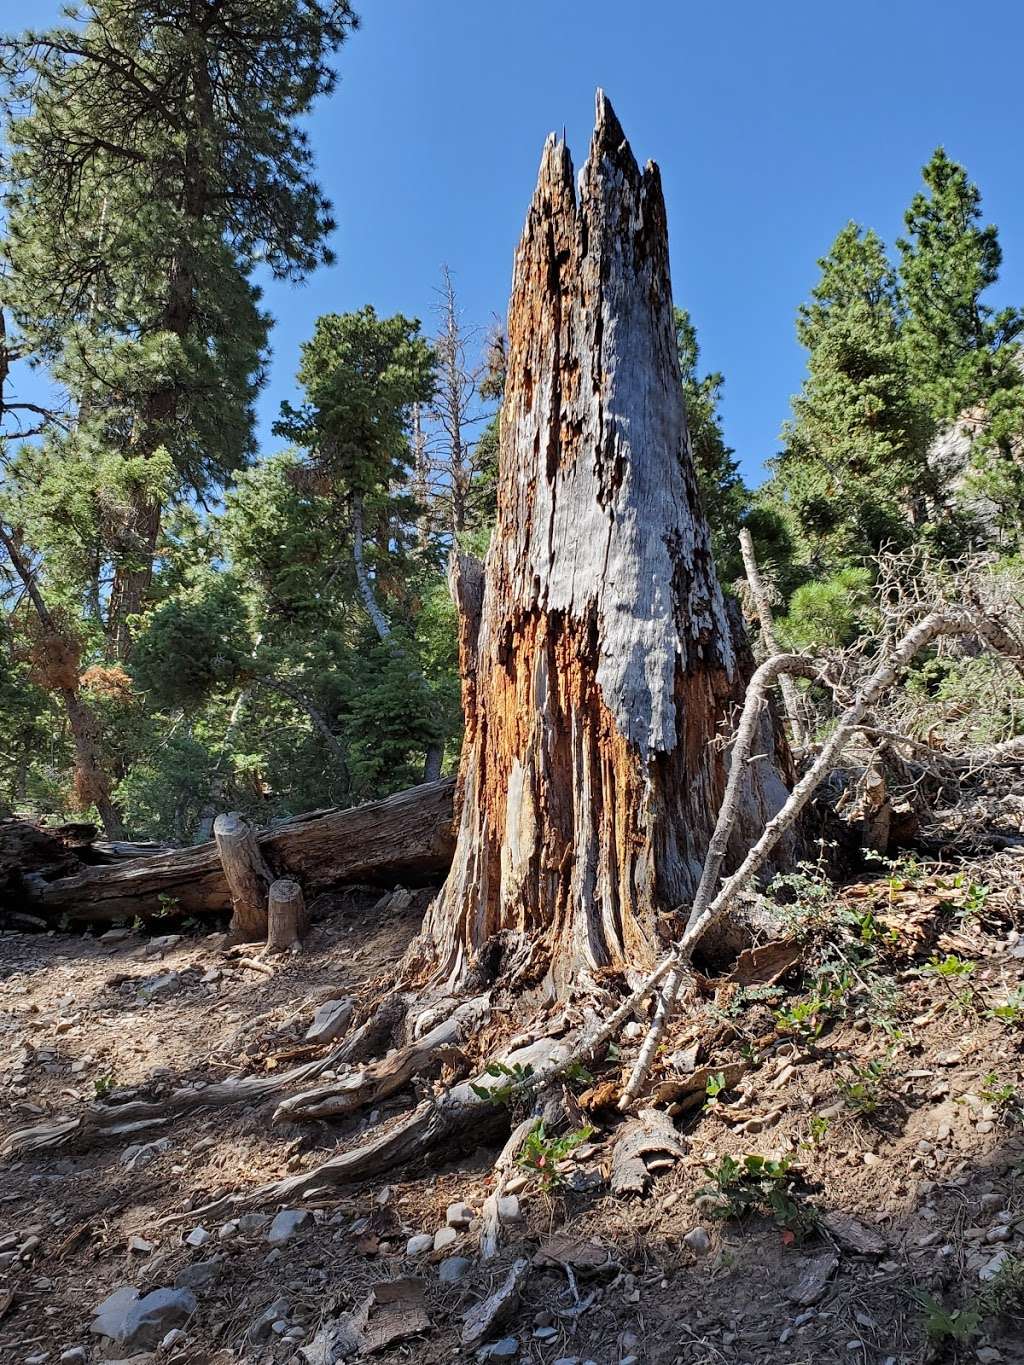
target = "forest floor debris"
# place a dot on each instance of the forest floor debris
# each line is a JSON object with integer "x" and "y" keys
{"x": 847, "y": 1183}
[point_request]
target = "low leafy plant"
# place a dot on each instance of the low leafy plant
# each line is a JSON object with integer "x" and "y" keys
{"x": 542, "y": 1154}
{"x": 103, "y": 1085}
{"x": 1003, "y": 1296}
{"x": 1003, "y": 1095}
{"x": 715, "y": 1085}
{"x": 759, "y": 1184}
{"x": 865, "y": 1088}
{"x": 817, "y": 1128}
{"x": 949, "y": 966}
{"x": 1011, "y": 1011}
{"x": 515, "y": 1077}
{"x": 942, "y": 1324}
{"x": 807, "y": 1018}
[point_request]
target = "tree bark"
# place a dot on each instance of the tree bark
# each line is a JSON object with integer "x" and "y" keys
{"x": 287, "y": 920}
{"x": 93, "y": 781}
{"x": 405, "y": 838}
{"x": 247, "y": 876}
{"x": 598, "y": 689}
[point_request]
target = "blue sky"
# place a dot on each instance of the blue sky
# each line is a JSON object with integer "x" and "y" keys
{"x": 772, "y": 124}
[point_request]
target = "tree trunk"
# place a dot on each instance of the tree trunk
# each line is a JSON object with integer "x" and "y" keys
{"x": 598, "y": 688}
{"x": 61, "y": 674}
{"x": 247, "y": 876}
{"x": 287, "y": 920}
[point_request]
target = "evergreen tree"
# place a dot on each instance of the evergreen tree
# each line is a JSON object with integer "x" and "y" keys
{"x": 726, "y": 498}
{"x": 853, "y": 474}
{"x": 156, "y": 159}
{"x": 961, "y": 353}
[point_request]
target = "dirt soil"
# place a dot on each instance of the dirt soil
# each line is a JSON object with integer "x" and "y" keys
{"x": 898, "y": 1104}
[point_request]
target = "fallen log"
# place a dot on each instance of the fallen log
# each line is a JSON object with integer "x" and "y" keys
{"x": 406, "y": 837}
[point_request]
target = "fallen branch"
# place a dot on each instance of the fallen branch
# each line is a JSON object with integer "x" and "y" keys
{"x": 383, "y": 1078}
{"x": 763, "y": 608}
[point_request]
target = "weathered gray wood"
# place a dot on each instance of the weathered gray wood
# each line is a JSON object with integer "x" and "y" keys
{"x": 287, "y": 920}
{"x": 406, "y": 838}
{"x": 246, "y": 874}
{"x": 598, "y": 686}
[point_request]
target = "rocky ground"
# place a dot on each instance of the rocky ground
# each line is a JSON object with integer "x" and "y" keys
{"x": 879, "y": 1077}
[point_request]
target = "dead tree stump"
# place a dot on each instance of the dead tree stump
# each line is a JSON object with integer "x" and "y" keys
{"x": 599, "y": 665}
{"x": 247, "y": 876}
{"x": 287, "y": 920}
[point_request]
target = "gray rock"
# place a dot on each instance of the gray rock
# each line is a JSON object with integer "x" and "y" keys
{"x": 508, "y": 1209}
{"x": 286, "y": 1224}
{"x": 330, "y": 1020}
{"x": 504, "y": 1349}
{"x": 698, "y": 1240}
{"x": 139, "y": 1323}
{"x": 160, "y": 987}
{"x": 453, "y": 1269}
{"x": 74, "y": 1355}
{"x": 115, "y": 936}
{"x": 249, "y": 1223}
{"x": 418, "y": 1245}
{"x": 458, "y": 1215}
{"x": 198, "y": 1237}
{"x": 163, "y": 943}
{"x": 266, "y": 1322}
{"x": 199, "y": 1275}
{"x": 444, "y": 1237}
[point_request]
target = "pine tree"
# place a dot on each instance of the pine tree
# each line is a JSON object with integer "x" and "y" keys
{"x": 156, "y": 159}
{"x": 854, "y": 470}
{"x": 962, "y": 354}
{"x": 723, "y": 492}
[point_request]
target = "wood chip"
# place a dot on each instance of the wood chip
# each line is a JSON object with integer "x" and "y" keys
{"x": 563, "y": 1249}
{"x": 854, "y": 1235}
{"x": 646, "y": 1142}
{"x": 765, "y": 965}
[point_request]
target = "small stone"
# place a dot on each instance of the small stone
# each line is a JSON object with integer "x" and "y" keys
{"x": 198, "y": 1237}
{"x": 870, "y": 1159}
{"x": 516, "y": 1184}
{"x": 419, "y": 1245}
{"x": 453, "y": 1269}
{"x": 444, "y": 1237}
{"x": 250, "y": 1223}
{"x": 698, "y": 1241}
{"x": 545, "y": 1333}
{"x": 459, "y": 1215}
{"x": 286, "y": 1224}
{"x": 508, "y": 1209}
{"x": 160, "y": 987}
{"x": 504, "y": 1349}
{"x": 985, "y": 1126}
{"x": 228, "y": 1230}
{"x": 172, "y": 1338}
{"x": 988, "y": 1355}
{"x": 74, "y": 1355}
{"x": 992, "y": 1268}
{"x": 138, "y": 1323}
{"x": 330, "y": 1020}
{"x": 115, "y": 936}
{"x": 163, "y": 943}
{"x": 1000, "y": 1233}
{"x": 141, "y": 1245}
{"x": 198, "y": 1275}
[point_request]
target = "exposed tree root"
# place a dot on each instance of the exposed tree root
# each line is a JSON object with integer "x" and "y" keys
{"x": 383, "y": 1078}
{"x": 103, "y": 1122}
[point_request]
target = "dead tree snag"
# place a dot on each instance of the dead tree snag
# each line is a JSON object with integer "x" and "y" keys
{"x": 598, "y": 685}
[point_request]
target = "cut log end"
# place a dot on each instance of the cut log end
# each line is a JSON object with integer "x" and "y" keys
{"x": 287, "y": 918}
